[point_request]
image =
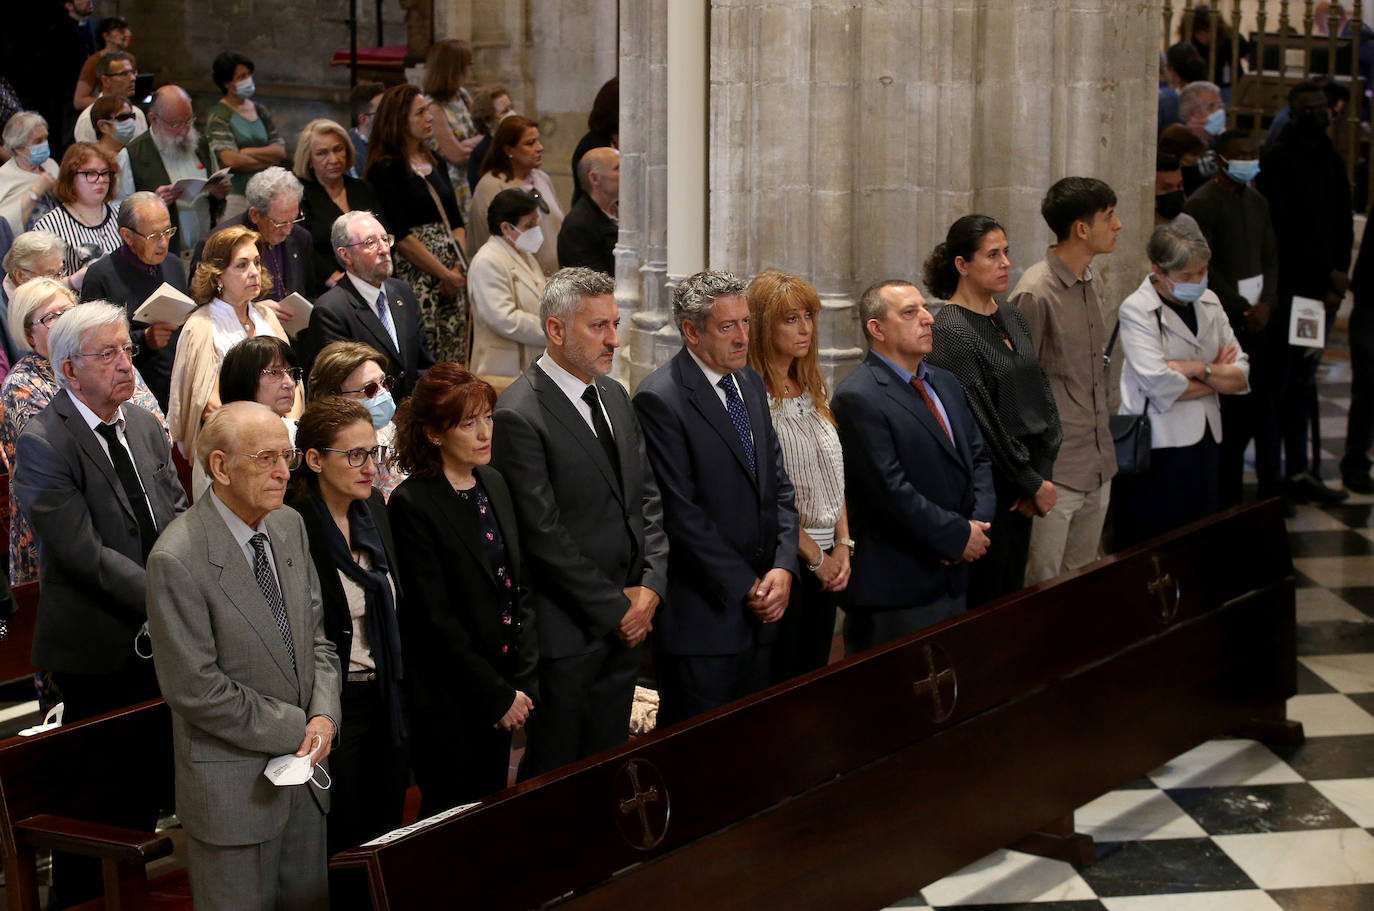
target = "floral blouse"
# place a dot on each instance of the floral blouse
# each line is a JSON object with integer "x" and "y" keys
{"x": 458, "y": 112}
{"x": 27, "y": 390}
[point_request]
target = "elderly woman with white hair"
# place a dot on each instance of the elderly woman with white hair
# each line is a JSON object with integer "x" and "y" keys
{"x": 1180, "y": 355}
{"x": 27, "y": 390}
{"x": 27, "y": 179}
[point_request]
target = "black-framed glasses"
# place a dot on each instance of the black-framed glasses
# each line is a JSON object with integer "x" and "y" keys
{"x": 277, "y": 373}
{"x": 47, "y": 320}
{"x": 371, "y": 389}
{"x": 265, "y": 459}
{"x": 283, "y": 225}
{"x": 167, "y": 234}
{"x": 371, "y": 243}
{"x": 95, "y": 176}
{"x": 358, "y": 456}
{"x": 109, "y": 352}
{"x": 539, "y": 200}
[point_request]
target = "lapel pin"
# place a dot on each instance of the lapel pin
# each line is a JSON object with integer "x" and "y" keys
{"x": 288, "y": 562}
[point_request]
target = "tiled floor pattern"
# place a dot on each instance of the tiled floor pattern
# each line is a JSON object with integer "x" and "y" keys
{"x": 1234, "y": 825}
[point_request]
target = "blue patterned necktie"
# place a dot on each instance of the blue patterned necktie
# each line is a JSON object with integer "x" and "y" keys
{"x": 267, "y": 581}
{"x": 740, "y": 418}
{"x": 384, "y": 314}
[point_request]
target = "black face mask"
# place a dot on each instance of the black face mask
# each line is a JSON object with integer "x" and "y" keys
{"x": 1169, "y": 205}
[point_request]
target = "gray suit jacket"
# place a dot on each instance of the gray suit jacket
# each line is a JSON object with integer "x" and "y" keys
{"x": 226, "y": 674}
{"x": 90, "y": 558}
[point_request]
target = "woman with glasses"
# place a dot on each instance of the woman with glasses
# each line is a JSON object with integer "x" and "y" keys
{"x": 324, "y": 156}
{"x": 419, "y": 207}
{"x": 34, "y": 254}
{"x": 355, "y": 558}
{"x": 513, "y": 164}
{"x": 28, "y": 177}
{"x": 27, "y": 390}
{"x": 506, "y": 282}
{"x": 113, "y": 118}
{"x": 229, "y": 280}
{"x": 263, "y": 369}
{"x": 87, "y": 219}
{"x": 357, "y": 371}
{"x": 240, "y": 131}
{"x": 470, "y": 658}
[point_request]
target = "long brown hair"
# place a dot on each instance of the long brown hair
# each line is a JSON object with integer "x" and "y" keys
{"x": 771, "y": 296}
{"x": 390, "y": 126}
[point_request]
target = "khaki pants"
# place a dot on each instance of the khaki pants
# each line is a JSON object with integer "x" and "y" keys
{"x": 1070, "y": 536}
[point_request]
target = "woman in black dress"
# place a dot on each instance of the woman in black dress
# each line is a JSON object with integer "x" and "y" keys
{"x": 988, "y": 346}
{"x": 469, "y": 633}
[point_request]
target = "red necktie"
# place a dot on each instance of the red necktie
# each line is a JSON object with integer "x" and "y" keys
{"x": 920, "y": 388}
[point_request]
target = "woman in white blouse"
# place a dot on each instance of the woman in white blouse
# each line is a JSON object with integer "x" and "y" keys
{"x": 782, "y": 348}
{"x": 1180, "y": 355}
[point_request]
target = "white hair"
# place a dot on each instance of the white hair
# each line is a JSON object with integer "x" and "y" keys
{"x": 266, "y": 185}
{"x": 65, "y": 336}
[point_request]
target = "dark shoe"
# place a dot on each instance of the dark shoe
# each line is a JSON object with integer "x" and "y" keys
{"x": 1305, "y": 488}
{"x": 1358, "y": 483}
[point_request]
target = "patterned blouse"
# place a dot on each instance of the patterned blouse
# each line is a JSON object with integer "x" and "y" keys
{"x": 27, "y": 390}
{"x": 475, "y": 501}
{"x": 811, "y": 454}
{"x": 458, "y": 112}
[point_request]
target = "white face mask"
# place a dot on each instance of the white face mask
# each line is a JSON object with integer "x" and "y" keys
{"x": 530, "y": 241}
{"x": 291, "y": 769}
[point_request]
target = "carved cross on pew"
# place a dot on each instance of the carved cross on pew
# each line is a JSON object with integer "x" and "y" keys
{"x": 938, "y": 690}
{"x": 1165, "y": 589}
{"x": 643, "y": 815}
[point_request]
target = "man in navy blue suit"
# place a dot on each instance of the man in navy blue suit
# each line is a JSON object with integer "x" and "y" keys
{"x": 918, "y": 481}
{"x": 727, "y": 505}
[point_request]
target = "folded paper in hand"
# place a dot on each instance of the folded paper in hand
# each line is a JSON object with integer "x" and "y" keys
{"x": 165, "y": 305}
{"x": 298, "y": 309}
{"x": 192, "y": 187}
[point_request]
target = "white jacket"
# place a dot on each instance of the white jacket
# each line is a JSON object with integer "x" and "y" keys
{"x": 504, "y": 286}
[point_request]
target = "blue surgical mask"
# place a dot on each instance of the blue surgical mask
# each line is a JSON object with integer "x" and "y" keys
{"x": 381, "y": 406}
{"x": 1216, "y": 122}
{"x": 124, "y": 131}
{"x": 1242, "y": 171}
{"x": 1188, "y": 292}
{"x": 39, "y": 153}
{"x": 245, "y": 88}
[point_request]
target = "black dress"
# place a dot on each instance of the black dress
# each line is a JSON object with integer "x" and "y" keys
{"x": 320, "y": 212}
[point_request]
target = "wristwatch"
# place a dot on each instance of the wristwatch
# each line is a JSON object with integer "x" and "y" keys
{"x": 1206, "y": 372}
{"x": 847, "y": 542}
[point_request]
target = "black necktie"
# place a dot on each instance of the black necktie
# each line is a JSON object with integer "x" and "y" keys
{"x": 128, "y": 478}
{"x": 603, "y": 429}
{"x": 267, "y": 581}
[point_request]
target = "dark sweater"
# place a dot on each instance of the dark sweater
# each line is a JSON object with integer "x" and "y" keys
{"x": 1235, "y": 221}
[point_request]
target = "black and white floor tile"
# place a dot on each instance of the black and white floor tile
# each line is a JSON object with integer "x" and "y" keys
{"x": 1234, "y": 825}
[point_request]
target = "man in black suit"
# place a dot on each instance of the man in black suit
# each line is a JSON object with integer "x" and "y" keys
{"x": 96, "y": 481}
{"x": 918, "y": 482}
{"x": 368, "y": 305}
{"x": 568, "y": 444}
{"x": 588, "y": 235}
{"x": 727, "y": 505}
{"x": 133, "y": 272}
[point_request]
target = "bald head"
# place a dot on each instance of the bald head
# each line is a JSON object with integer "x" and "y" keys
{"x": 599, "y": 173}
{"x": 172, "y": 120}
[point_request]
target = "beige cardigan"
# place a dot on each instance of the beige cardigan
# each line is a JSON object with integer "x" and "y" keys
{"x": 551, "y": 221}
{"x": 504, "y": 286}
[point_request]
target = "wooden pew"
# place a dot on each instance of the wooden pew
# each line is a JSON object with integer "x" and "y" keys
{"x": 17, "y": 646}
{"x": 54, "y": 785}
{"x": 856, "y": 785}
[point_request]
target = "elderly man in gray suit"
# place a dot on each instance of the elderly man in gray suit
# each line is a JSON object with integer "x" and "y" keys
{"x": 245, "y": 665}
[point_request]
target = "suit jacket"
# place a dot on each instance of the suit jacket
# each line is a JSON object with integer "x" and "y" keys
{"x": 504, "y": 286}
{"x": 726, "y": 526}
{"x": 113, "y": 278}
{"x": 298, "y": 259}
{"x": 910, "y": 491}
{"x": 90, "y": 557}
{"x": 451, "y": 628}
{"x": 341, "y": 314}
{"x": 587, "y": 536}
{"x": 588, "y": 237}
{"x": 225, "y": 672}
{"x": 149, "y": 171}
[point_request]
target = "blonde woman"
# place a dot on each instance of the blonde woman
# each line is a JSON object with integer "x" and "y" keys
{"x": 324, "y": 156}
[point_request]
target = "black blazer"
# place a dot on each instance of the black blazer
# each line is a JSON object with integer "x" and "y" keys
{"x": 726, "y": 526}
{"x": 338, "y": 625}
{"x": 298, "y": 259}
{"x": 586, "y": 535}
{"x": 451, "y": 630}
{"x": 341, "y": 314}
{"x": 909, "y": 490}
{"x": 587, "y": 238}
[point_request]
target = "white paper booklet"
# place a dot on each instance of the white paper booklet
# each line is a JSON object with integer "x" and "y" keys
{"x": 299, "y": 309}
{"x": 165, "y": 305}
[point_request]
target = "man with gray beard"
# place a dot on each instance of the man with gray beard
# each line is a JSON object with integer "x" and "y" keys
{"x": 171, "y": 151}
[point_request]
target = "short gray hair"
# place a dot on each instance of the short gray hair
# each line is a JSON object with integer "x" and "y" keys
{"x": 1172, "y": 248}
{"x": 338, "y": 232}
{"x": 220, "y": 431}
{"x": 267, "y": 185}
{"x": 128, "y": 209}
{"x": 31, "y": 246}
{"x": 564, "y": 290}
{"x": 27, "y": 299}
{"x": 695, "y": 296}
{"x": 872, "y": 305}
{"x": 64, "y": 338}
{"x": 1190, "y": 97}
{"x": 19, "y": 128}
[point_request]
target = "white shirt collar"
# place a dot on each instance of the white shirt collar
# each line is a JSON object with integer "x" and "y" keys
{"x": 92, "y": 419}
{"x": 712, "y": 376}
{"x": 572, "y": 387}
{"x": 369, "y": 292}
{"x": 240, "y": 529}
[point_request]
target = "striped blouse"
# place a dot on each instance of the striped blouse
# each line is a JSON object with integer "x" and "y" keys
{"x": 811, "y": 454}
{"x": 73, "y": 233}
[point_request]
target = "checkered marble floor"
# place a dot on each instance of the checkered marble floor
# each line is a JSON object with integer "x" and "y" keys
{"x": 1234, "y": 825}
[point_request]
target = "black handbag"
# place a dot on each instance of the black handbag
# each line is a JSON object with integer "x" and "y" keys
{"x": 1130, "y": 432}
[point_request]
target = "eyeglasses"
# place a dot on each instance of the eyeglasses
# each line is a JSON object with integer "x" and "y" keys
{"x": 371, "y": 389}
{"x": 283, "y": 225}
{"x": 49, "y": 319}
{"x": 113, "y": 74}
{"x": 177, "y": 124}
{"x": 166, "y": 234}
{"x": 266, "y": 459}
{"x": 277, "y": 373}
{"x": 56, "y": 276}
{"x": 108, "y": 353}
{"x": 539, "y": 200}
{"x": 357, "y": 457}
{"x": 371, "y": 243}
{"x": 96, "y": 176}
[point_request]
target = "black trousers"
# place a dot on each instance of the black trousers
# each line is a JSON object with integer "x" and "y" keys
{"x": 1002, "y": 570}
{"x": 806, "y": 630}
{"x": 457, "y": 764}
{"x": 689, "y": 685}
{"x": 1359, "y": 428}
{"x": 1255, "y": 416}
{"x": 1180, "y": 487}
{"x": 868, "y": 627}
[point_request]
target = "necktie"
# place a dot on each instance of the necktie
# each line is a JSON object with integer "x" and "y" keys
{"x": 384, "y": 314}
{"x": 740, "y": 418}
{"x": 921, "y": 390}
{"x": 602, "y": 429}
{"x": 128, "y": 479}
{"x": 267, "y": 581}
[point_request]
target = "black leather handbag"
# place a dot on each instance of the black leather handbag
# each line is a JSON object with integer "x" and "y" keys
{"x": 1130, "y": 432}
